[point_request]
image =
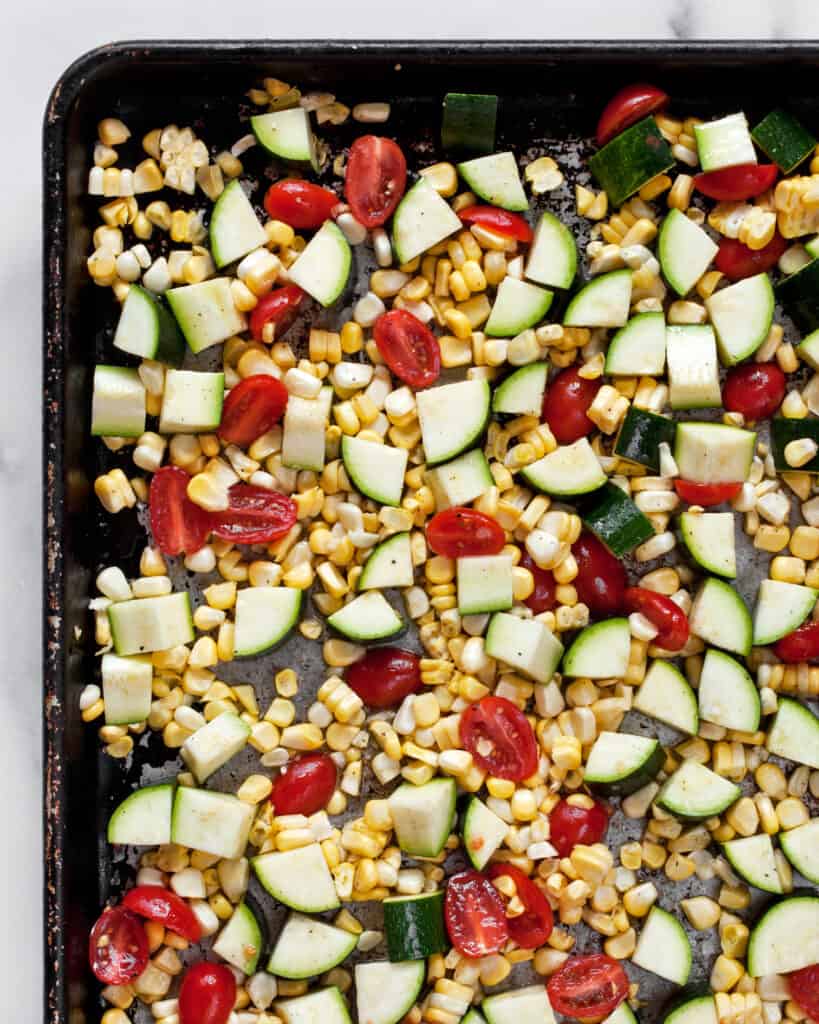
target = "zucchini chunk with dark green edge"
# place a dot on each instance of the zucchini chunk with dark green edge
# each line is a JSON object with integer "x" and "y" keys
{"x": 468, "y": 123}
{"x": 414, "y": 926}
{"x": 799, "y": 294}
{"x": 613, "y": 518}
{"x": 783, "y": 431}
{"x": 783, "y": 139}
{"x": 641, "y": 435}
{"x": 620, "y": 763}
{"x": 631, "y": 160}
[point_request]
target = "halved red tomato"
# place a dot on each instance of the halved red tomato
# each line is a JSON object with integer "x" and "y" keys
{"x": 804, "y": 987}
{"x": 408, "y": 347}
{"x": 279, "y": 308}
{"x": 706, "y": 494}
{"x": 733, "y": 184}
{"x": 301, "y": 204}
{"x": 588, "y": 987}
{"x": 163, "y": 906}
{"x": 207, "y": 995}
{"x": 375, "y": 179}
{"x": 255, "y": 515}
{"x": 499, "y": 738}
{"x": 305, "y": 784}
{"x": 737, "y": 261}
{"x": 251, "y": 408}
{"x": 534, "y": 926}
{"x": 385, "y": 676}
{"x": 565, "y": 404}
{"x": 475, "y": 915}
{"x": 627, "y": 107}
{"x": 118, "y": 947}
{"x": 178, "y": 525}
{"x": 460, "y": 532}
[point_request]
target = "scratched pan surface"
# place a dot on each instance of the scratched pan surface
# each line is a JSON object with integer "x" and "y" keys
{"x": 550, "y": 97}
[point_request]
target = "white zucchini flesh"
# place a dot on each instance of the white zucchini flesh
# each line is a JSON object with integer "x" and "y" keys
{"x": 786, "y": 937}
{"x": 663, "y": 947}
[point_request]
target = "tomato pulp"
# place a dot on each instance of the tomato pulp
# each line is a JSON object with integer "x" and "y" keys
{"x": 459, "y": 532}
{"x": 254, "y": 515}
{"x": 475, "y": 915}
{"x": 159, "y": 904}
{"x": 800, "y": 645}
{"x": 207, "y": 995}
{"x": 570, "y": 825}
{"x": 804, "y": 987}
{"x": 544, "y": 597}
{"x": 733, "y": 184}
{"x": 375, "y": 179}
{"x": 385, "y": 676}
{"x": 118, "y": 947}
{"x": 510, "y": 225}
{"x": 588, "y": 987}
{"x": 627, "y": 107}
{"x": 251, "y": 408}
{"x": 737, "y": 261}
{"x": 706, "y": 494}
{"x": 300, "y": 204}
{"x": 601, "y": 578}
{"x": 178, "y": 525}
{"x": 534, "y": 926}
{"x": 408, "y": 347}
{"x": 668, "y": 618}
{"x": 499, "y": 738}
{"x": 565, "y": 403}
{"x": 279, "y": 308}
{"x": 756, "y": 390}
{"x": 305, "y": 785}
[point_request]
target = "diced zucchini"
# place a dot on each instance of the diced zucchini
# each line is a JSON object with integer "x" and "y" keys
{"x": 127, "y": 688}
{"x": 216, "y": 823}
{"x": 719, "y": 617}
{"x": 552, "y": 259}
{"x": 385, "y": 993}
{"x": 794, "y": 733}
{"x": 724, "y": 143}
{"x": 287, "y": 134}
{"x": 468, "y": 123}
{"x": 389, "y": 564}
{"x": 663, "y": 947}
{"x": 709, "y": 536}
{"x": 423, "y": 816}
{"x": 727, "y": 694}
{"x": 323, "y": 1006}
{"x": 665, "y": 694}
{"x": 207, "y": 749}
{"x": 685, "y": 251}
{"x": 146, "y": 328}
{"x": 521, "y": 393}
{"x": 443, "y": 434}
{"x": 377, "y": 470}
{"x": 305, "y": 431}
{"x": 524, "y": 644}
{"x": 299, "y": 878}
{"x": 783, "y": 139}
{"x": 264, "y": 617}
{"x": 620, "y": 763}
{"x": 414, "y": 926}
{"x": 742, "y": 315}
{"x": 753, "y": 859}
{"x": 631, "y": 160}
{"x": 785, "y": 938}
{"x": 600, "y": 651}
{"x": 695, "y": 793}
{"x": 518, "y": 306}
{"x": 496, "y": 179}
{"x": 235, "y": 230}
{"x": 368, "y": 617}
{"x": 323, "y": 267}
{"x": 780, "y": 609}
{"x": 614, "y": 519}
{"x": 713, "y": 453}
{"x": 603, "y": 302}
{"x": 191, "y": 402}
{"x": 638, "y": 348}
{"x": 801, "y": 846}
{"x": 529, "y": 1005}
{"x": 568, "y": 470}
{"x": 693, "y": 369}
{"x": 483, "y": 833}
{"x": 460, "y": 481}
{"x": 640, "y": 436}
{"x": 422, "y": 219}
{"x": 206, "y": 312}
{"x": 484, "y": 584}
{"x": 150, "y": 624}
{"x": 118, "y": 404}
{"x": 307, "y": 947}
{"x": 143, "y": 818}
{"x": 240, "y": 941}
{"x": 799, "y": 294}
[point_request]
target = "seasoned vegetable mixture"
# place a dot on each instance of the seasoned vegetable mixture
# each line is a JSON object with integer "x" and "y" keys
{"x": 495, "y": 426}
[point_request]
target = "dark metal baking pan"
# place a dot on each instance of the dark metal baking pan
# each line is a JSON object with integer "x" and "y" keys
{"x": 550, "y": 94}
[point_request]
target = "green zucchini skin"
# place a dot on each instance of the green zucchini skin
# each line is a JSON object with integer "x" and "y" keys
{"x": 783, "y": 431}
{"x": 630, "y": 160}
{"x": 640, "y": 437}
{"x": 415, "y": 926}
{"x": 799, "y": 294}
{"x": 783, "y": 139}
{"x": 468, "y": 124}
{"x": 615, "y": 520}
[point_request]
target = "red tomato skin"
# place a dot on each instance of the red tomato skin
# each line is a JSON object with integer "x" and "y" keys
{"x": 733, "y": 184}
{"x": 375, "y": 180}
{"x": 460, "y": 532}
{"x": 305, "y": 785}
{"x": 279, "y": 307}
{"x": 207, "y": 995}
{"x": 475, "y": 915}
{"x": 301, "y": 204}
{"x": 124, "y": 954}
{"x": 601, "y": 578}
{"x": 408, "y": 347}
{"x": 255, "y": 515}
{"x": 565, "y": 402}
{"x": 666, "y": 616}
{"x": 178, "y": 525}
{"x": 534, "y": 926}
{"x": 588, "y": 987}
{"x": 502, "y": 222}
{"x": 385, "y": 676}
{"x": 804, "y": 988}
{"x": 570, "y": 825}
{"x": 737, "y": 261}
{"x": 515, "y": 751}
{"x": 251, "y": 408}
{"x": 165, "y": 907}
{"x": 755, "y": 389}
{"x": 627, "y": 107}
{"x": 800, "y": 645}
{"x": 706, "y": 494}
{"x": 544, "y": 597}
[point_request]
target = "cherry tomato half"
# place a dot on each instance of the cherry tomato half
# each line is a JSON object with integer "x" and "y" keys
{"x": 800, "y": 645}
{"x": 459, "y": 532}
{"x": 385, "y": 676}
{"x": 706, "y": 494}
{"x": 588, "y": 987}
{"x": 207, "y": 995}
{"x": 375, "y": 180}
{"x": 163, "y": 906}
{"x": 300, "y": 204}
{"x": 510, "y": 225}
{"x": 534, "y": 926}
{"x": 627, "y": 107}
{"x": 118, "y": 947}
{"x": 668, "y": 618}
{"x": 251, "y": 408}
{"x": 601, "y": 578}
{"x": 755, "y": 389}
{"x": 570, "y": 825}
{"x": 804, "y": 988}
{"x": 279, "y": 308}
{"x": 475, "y": 915}
{"x": 732, "y": 184}
{"x": 177, "y": 524}
{"x": 737, "y": 261}
{"x": 255, "y": 515}
{"x": 544, "y": 597}
{"x": 565, "y": 403}
{"x": 305, "y": 785}
{"x": 408, "y": 347}
{"x": 499, "y": 738}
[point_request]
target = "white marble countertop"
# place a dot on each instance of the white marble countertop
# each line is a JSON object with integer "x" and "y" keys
{"x": 39, "y": 41}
